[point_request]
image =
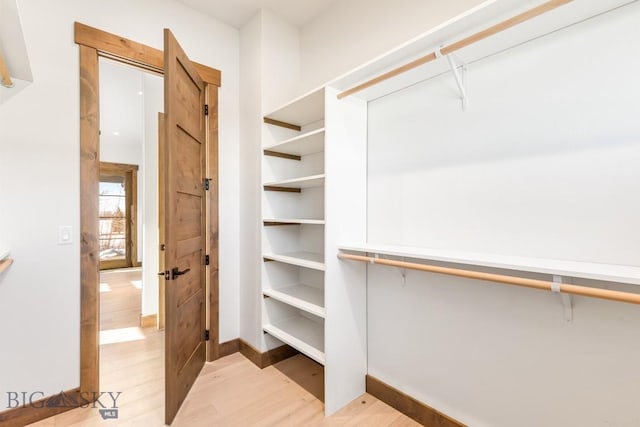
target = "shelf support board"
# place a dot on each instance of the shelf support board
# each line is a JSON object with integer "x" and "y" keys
{"x": 273, "y": 223}
{"x": 283, "y": 189}
{"x": 567, "y": 305}
{"x": 282, "y": 155}
{"x": 274, "y": 122}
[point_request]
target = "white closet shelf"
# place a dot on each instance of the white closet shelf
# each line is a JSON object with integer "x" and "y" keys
{"x": 303, "y": 182}
{"x": 304, "y": 297}
{"x": 293, "y": 221}
{"x": 308, "y": 143}
{"x": 585, "y": 270}
{"x": 310, "y": 260}
{"x": 302, "y": 334}
{"x": 306, "y": 109}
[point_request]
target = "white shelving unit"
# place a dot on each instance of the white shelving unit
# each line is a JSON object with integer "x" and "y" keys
{"x": 293, "y": 181}
{"x": 314, "y": 196}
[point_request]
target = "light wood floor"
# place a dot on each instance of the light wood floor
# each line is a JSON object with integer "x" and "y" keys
{"x": 120, "y": 299}
{"x": 231, "y": 391}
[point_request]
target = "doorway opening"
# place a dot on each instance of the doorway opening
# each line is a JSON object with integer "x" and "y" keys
{"x": 200, "y": 83}
{"x": 128, "y": 226}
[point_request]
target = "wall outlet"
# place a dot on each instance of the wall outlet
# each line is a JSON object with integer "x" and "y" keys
{"x": 64, "y": 235}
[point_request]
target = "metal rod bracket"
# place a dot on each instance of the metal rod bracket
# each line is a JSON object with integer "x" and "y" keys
{"x": 567, "y": 306}
{"x": 460, "y": 73}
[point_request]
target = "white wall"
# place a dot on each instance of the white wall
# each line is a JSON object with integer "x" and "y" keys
{"x": 250, "y": 127}
{"x": 281, "y": 61}
{"x": 353, "y": 32}
{"x": 544, "y": 163}
{"x": 153, "y": 89}
{"x": 39, "y": 179}
{"x": 270, "y": 72}
{"x": 281, "y": 78}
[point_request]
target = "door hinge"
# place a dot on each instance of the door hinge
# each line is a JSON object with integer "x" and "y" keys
{"x": 206, "y": 260}
{"x": 206, "y": 183}
{"x": 206, "y": 335}
{"x": 206, "y": 109}
{"x": 162, "y": 247}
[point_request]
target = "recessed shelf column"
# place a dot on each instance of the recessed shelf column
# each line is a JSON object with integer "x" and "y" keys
{"x": 294, "y": 226}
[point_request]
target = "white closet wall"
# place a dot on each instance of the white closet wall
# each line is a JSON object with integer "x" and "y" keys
{"x": 269, "y": 74}
{"x": 544, "y": 163}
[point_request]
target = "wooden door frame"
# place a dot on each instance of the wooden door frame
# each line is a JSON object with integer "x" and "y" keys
{"x": 130, "y": 174}
{"x": 93, "y": 44}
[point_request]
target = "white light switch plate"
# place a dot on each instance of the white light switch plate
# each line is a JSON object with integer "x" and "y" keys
{"x": 64, "y": 235}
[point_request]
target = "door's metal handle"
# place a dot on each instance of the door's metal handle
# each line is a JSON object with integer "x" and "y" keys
{"x": 175, "y": 272}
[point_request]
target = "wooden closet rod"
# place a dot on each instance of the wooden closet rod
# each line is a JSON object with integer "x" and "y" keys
{"x": 446, "y": 50}
{"x": 506, "y": 280}
{"x": 4, "y": 74}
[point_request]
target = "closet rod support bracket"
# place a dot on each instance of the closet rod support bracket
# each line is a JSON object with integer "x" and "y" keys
{"x": 459, "y": 71}
{"x": 567, "y": 305}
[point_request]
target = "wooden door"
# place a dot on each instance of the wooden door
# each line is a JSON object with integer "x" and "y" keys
{"x": 184, "y": 157}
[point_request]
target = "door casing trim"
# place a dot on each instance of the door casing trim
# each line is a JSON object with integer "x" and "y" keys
{"x": 93, "y": 44}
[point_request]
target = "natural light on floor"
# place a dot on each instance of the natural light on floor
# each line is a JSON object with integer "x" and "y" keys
{"x": 113, "y": 336}
{"x": 137, "y": 284}
{"x": 104, "y": 287}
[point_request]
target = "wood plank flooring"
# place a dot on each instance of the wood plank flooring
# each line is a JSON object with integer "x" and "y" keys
{"x": 231, "y": 391}
{"x": 120, "y": 298}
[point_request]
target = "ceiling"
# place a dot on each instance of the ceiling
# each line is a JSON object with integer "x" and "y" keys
{"x": 238, "y": 12}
